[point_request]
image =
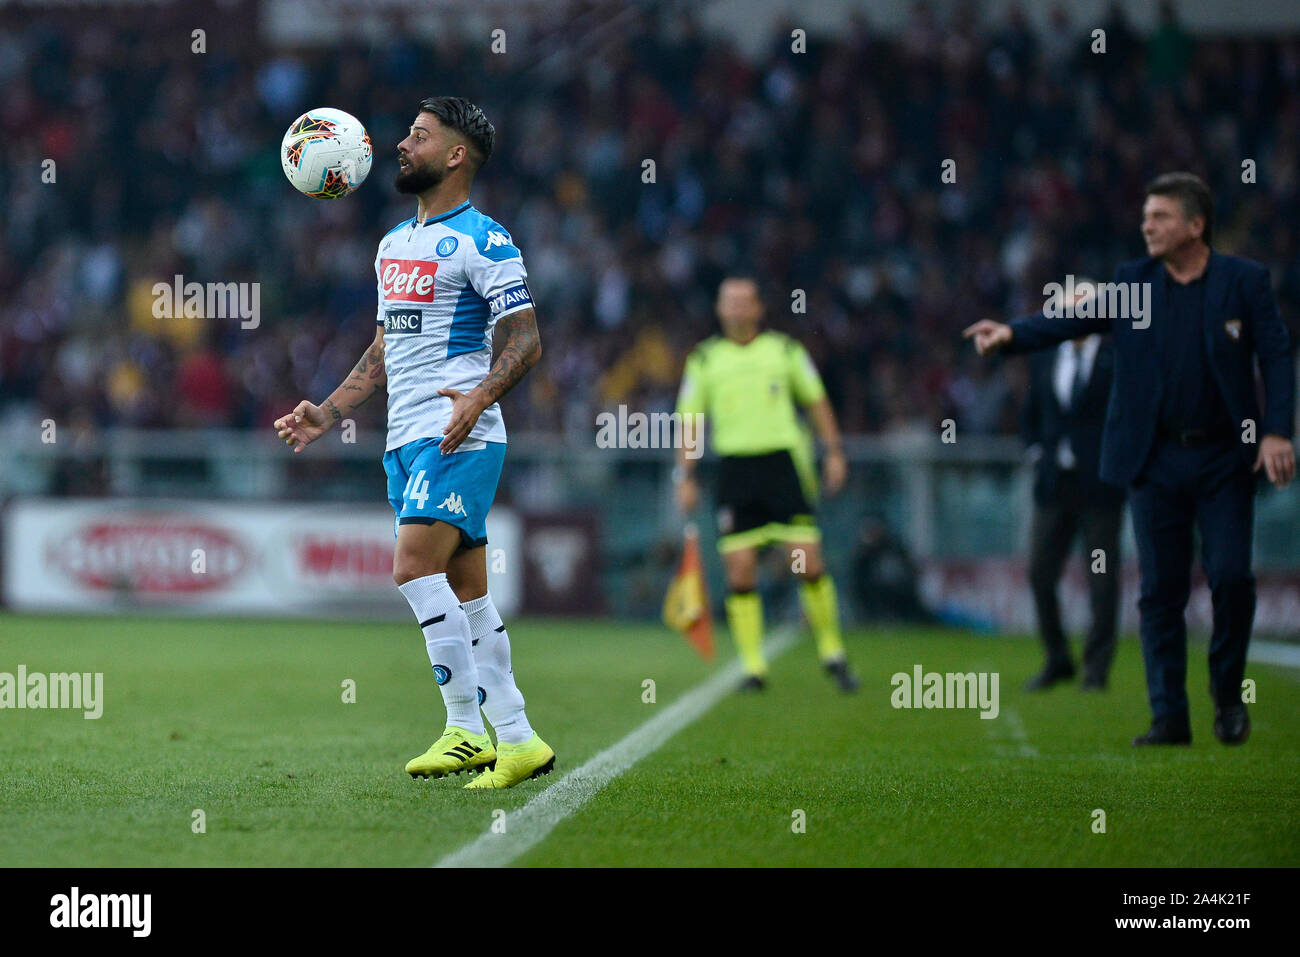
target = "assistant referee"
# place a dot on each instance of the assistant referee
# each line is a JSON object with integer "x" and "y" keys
{"x": 747, "y": 383}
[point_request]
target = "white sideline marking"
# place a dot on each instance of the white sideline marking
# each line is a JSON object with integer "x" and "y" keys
{"x": 525, "y": 827}
{"x": 1018, "y": 733}
{"x": 1275, "y": 653}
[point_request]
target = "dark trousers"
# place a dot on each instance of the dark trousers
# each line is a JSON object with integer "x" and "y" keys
{"x": 1055, "y": 528}
{"x": 1209, "y": 487}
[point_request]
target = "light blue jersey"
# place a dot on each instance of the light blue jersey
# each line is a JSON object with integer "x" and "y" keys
{"x": 443, "y": 285}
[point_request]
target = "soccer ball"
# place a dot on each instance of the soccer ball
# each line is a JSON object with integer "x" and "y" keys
{"x": 326, "y": 153}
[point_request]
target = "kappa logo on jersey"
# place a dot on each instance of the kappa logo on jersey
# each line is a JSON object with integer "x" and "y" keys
{"x": 495, "y": 238}
{"x": 407, "y": 280}
{"x": 515, "y": 296}
{"x": 453, "y": 504}
{"x": 398, "y": 321}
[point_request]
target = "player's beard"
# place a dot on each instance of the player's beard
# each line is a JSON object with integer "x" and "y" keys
{"x": 418, "y": 179}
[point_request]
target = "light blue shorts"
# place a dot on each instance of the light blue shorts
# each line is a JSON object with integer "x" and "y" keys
{"x": 425, "y": 486}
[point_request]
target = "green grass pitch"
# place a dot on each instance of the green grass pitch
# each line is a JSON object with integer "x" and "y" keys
{"x": 245, "y": 720}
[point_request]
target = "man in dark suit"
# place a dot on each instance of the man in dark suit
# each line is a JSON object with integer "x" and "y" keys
{"x": 1061, "y": 422}
{"x": 1184, "y": 429}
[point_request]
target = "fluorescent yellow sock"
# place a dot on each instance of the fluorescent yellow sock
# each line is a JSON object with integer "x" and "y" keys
{"x": 823, "y": 611}
{"x": 745, "y": 618}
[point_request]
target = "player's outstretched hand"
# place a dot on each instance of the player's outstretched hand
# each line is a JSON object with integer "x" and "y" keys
{"x": 1277, "y": 459}
{"x": 465, "y": 410}
{"x": 990, "y": 336}
{"x": 303, "y": 426}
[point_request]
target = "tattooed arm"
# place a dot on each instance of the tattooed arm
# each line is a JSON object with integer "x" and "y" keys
{"x": 520, "y": 349}
{"x": 308, "y": 422}
{"x": 367, "y": 377}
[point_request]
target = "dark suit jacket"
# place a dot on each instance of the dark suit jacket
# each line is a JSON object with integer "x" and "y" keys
{"x": 1044, "y": 423}
{"x": 1241, "y": 325}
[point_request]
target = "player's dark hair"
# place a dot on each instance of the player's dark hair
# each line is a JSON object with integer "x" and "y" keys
{"x": 1190, "y": 190}
{"x": 459, "y": 114}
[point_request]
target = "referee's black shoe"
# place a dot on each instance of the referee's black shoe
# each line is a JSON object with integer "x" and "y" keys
{"x": 1166, "y": 731}
{"x": 751, "y": 684}
{"x": 846, "y": 680}
{"x": 1231, "y": 723}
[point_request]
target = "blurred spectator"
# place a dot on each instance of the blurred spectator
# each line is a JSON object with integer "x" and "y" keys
{"x": 818, "y": 172}
{"x": 886, "y": 580}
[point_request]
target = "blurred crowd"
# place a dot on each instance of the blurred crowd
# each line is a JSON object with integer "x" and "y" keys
{"x": 817, "y": 171}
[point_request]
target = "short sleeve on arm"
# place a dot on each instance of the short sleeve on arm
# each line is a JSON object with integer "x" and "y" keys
{"x": 805, "y": 383}
{"x": 496, "y": 271}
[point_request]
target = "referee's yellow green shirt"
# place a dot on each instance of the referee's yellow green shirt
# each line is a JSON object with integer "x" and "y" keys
{"x": 748, "y": 393}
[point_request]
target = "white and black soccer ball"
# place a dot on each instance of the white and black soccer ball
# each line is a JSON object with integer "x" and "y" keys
{"x": 326, "y": 153}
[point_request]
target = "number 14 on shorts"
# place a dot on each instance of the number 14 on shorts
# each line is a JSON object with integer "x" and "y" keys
{"x": 417, "y": 489}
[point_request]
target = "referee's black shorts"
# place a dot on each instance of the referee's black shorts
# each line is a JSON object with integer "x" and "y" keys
{"x": 761, "y": 501}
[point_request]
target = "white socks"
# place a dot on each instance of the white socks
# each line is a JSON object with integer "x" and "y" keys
{"x": 447, "y": 638}
{"x": 500, "y": 699}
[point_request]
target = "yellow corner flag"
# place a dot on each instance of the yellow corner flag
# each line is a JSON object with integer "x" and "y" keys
{"x": 686, "y": 606}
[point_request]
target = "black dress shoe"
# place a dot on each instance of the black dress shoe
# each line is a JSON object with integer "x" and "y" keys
{"x": 1231, "y": 723}
{"x": 1166, "y": 732}
{"x": 1092, "y": 684}
{"x": 1052, "y": 674}
{"x": 751, "y": 684}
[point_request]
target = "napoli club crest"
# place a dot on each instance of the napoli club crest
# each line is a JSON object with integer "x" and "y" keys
{"x": 441, "y": 674}
{"x": 446, "y": 246}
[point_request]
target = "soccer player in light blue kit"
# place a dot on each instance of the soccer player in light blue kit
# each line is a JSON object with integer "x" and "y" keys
{"x": 447, "y": 277}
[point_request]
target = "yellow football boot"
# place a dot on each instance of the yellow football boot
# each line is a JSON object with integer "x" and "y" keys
{"x": 456, "y": 751}
{"x": 517, "y": 762}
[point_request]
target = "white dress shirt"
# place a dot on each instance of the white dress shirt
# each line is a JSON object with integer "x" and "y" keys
{"x": 1068, "y": 357}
